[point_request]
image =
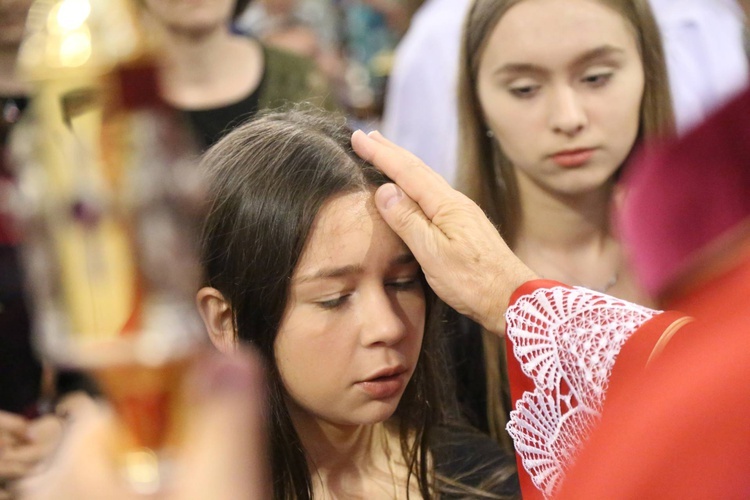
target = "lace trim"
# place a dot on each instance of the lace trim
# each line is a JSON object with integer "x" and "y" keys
{"x": 566, "y": 341}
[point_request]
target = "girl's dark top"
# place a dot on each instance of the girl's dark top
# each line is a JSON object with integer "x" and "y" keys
{"x": 287, "y": 79}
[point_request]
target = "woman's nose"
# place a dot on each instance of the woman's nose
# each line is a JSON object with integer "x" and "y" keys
{"x": 383, "y": 321}
{"x": 566, "y": 112}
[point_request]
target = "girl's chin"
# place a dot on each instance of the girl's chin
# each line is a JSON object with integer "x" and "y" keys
{"x": 371, "y": 414}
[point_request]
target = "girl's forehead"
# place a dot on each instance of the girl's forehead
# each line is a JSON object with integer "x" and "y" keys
{"x": 552, "y": 33}
{"x": 349, "y": 231}
{"x": 344, "y": 213}
{"x": 544, "y": 20}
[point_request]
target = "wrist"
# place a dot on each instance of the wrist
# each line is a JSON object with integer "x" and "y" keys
{"x": 506, "y": 292}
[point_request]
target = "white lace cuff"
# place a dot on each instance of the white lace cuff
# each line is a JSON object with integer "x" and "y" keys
{"x": 566, "y": 340}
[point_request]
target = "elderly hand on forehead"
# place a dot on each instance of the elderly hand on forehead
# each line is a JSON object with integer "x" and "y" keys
{"x": 459, "y": 249}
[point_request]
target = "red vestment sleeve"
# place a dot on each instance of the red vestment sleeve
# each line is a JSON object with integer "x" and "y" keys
{"x": 566, "y": 347}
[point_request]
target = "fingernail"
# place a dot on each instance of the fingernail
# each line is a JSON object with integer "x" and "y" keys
{"x": 375, "y": 135}
{"x": 363, "y": 146}
{"x": 388, "y": 194}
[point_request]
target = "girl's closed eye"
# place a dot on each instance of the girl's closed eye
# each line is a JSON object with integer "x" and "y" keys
{"x": 524, "y": 91}
{"x": 333, "y": 303}
{"x": 597, "y": 79}
{"x": 405, "y": 283}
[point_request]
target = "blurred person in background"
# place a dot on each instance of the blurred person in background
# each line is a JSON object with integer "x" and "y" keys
{"x": 420, "y": 110}
{"x": 220, "y": 78}
{"x": 308, "y": 27}
{"x": 30, "y": 391}
{"x": 706, "y": 60}
{"x": 702, "y": 43}
{"x": 352, "y": 41}
{"x": 18, "y": 362}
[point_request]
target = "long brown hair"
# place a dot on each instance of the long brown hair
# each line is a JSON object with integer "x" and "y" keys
{"x": 269, "y": 179}
{"x": 486, "y": 174}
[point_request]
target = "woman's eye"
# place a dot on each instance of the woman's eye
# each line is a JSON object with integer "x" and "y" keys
{"x": 524, "y": 91}
{"x": 333, "y": 303}
{"x": 404, "y": 284}
{"x": 597, "y": 79}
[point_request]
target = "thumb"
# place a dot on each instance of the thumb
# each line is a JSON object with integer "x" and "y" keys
{"x": 405, "y": 218}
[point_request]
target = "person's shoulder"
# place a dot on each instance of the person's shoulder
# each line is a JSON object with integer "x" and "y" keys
{"x": 278, "y": 59}
{"x": 441, "y": 11}
{"x": 291, "y": 78}
{"x": 439, "y": 22}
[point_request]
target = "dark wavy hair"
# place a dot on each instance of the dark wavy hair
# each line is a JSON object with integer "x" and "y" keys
{"x": 269, "y": 179}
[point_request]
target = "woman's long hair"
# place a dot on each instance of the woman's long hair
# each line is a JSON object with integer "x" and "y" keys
{"x": 486, "y": 174}
{"x": 269, "y": 179}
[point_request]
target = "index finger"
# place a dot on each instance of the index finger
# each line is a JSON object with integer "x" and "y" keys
{"x": 412, "y": 175}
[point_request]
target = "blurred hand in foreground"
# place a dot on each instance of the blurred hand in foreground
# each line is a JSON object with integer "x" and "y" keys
{"x": 223, "y": 455}
{"x": 24, "y": 445}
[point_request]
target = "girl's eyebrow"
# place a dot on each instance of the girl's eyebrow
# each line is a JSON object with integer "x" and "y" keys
{"x": 598, "y": 53}
{"x": 339, "y": 272}
{"x": 582, "y": 60}
{"x": 520, "y": 69}
{"x": 330, "y": 272}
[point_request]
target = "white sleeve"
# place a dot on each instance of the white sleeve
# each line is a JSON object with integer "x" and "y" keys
{"x": 566, "y": 341}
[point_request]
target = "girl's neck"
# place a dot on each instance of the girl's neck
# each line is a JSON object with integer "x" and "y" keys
{"x": 565, "y": 223}
{"x": 194, "y": 77}
{"x": 353, "y": 461}
{"x": 331, "y": 448}
{"x": 568, "y": 238}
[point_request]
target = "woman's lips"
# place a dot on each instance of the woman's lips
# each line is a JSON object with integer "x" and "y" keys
{"x": 573, "y": 158}
{"x": 384, "y": 387}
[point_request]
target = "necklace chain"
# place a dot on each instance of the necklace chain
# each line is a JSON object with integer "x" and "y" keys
{"x": 571, "y": 280}
{"x": 609, "y": 284}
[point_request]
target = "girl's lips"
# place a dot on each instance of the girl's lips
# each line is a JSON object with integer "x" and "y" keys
{"x": 384, "y": 387}
{"x": 573, "y": 158}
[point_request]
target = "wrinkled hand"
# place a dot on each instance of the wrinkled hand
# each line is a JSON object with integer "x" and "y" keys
{"x": 464, "y": 259}
{"x": 223, "y": 456}
{"x": 24, "y": 444}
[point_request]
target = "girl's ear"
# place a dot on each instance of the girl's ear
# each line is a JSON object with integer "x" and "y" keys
{"x": 218, "y": 317}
